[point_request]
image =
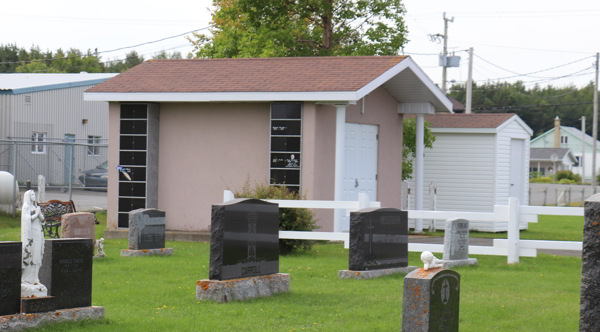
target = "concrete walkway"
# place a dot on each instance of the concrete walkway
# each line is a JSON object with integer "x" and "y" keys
{"x": 486, "y": 242}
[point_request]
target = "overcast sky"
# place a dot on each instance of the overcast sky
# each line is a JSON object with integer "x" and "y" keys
{"x": 509, "y": 37}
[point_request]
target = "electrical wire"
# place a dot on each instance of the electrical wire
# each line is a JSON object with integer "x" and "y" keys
{"x": 533, "y": 72}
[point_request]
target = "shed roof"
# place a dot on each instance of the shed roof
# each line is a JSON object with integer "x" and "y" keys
{"x": 545, "y": 153}
{"x": 319, "y": 79}
{"x": 472, "y": 120}
{"x": 25, "y": 83}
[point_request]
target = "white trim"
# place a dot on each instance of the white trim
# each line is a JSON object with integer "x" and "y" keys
{"x": 464, "y": 130}
{"x": 406, "y": 63}
{"x": 519, "y": 121}
{"x": 339, "y": 96}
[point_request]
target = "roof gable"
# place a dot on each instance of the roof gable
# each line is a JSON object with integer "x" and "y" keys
{"x": 16, "y": 83}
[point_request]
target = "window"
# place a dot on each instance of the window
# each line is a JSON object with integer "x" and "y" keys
{"x": 94, "y": 150}
{"x": 38, "y": 137}
{"x": 564, "y": 139}
{"x": 577, "y": 161}
{"x": 286, "y": 138}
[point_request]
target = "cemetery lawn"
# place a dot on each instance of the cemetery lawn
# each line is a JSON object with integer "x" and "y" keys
{"x": 554, "y": 228}
{"x": 159, "y": 294}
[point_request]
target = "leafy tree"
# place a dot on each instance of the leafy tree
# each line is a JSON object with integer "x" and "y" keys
{"x": 410, "y": 145}
{"x": 164, "y": 55}
{"x": 131, "y": 60}
{"x": 276, "y": 28}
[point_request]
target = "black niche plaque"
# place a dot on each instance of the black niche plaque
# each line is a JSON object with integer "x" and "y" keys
{"x": 10, "y": 278}
{"x": 244, "y": 239}
{"x": 40, "y": 304}
{"x": 67, "y": 272}
{"x": 378, "y": 239}
{"x": 444, "y": 301}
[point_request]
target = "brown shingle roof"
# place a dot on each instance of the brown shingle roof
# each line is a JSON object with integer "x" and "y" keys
{"x": 251, "y": 75}
{"x": 473, "y": 120}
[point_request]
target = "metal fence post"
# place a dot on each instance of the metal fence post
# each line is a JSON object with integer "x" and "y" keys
{"x": 556, "y": 195}
{"x": 71, "y": 171}
{"x": 529, "y": 198}
{"x": 545, "y": 195}
{"x": 15, "y": 186}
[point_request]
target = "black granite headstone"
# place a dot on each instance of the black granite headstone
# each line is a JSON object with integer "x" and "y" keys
{"x": 40, "y": 304}
{"x": 378, "y": 239}
{"x": 589, "y": 308}
{"x": 152, "y": 237}
{"x": 244, "y": 239}
{"x": 10, "y": 278}
{"x": 67, "y": 271}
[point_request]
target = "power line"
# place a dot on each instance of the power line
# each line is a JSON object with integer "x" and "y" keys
{"x": 116, "y": 49}
{"x": 528, "y": 107}
{"x": 533, "y": 72}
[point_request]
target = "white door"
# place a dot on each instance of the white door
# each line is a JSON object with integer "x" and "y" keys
{"x": 360, "y": 163}
{"x": 517, "y": 160}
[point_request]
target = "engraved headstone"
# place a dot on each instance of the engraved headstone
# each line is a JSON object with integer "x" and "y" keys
{"x": 146, "y": 229}
{"x": 67, "y": 272}
{"x": 10, "y": 278}
{"x": 78, "y": 225}
{"x": 378, "y": 239}
{"x": 456, "y": 244}
{"x": 431, "y": 301}
{"x": 590, "y": 280}
{"x": 244, "y": 239}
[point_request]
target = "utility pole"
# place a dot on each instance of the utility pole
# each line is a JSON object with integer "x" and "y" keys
{"x": 595, "y": 127}
{"x": 582, "y": 158}
{"x": 469, "y": 82}
{"x": 446, "y": 20}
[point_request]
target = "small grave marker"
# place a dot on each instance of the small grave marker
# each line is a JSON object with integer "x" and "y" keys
{"x": 78, "y": 225}
{"x": 146, "y": 233}
{"x": 456, "y": 243}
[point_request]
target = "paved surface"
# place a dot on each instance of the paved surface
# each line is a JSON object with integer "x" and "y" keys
{"x": 489, "y": 243}
{"x": 546, "y": 194}
{"x": 85, "y": 200}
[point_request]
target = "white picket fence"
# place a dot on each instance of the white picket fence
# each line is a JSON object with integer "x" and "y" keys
{"x": 512, "y": 214}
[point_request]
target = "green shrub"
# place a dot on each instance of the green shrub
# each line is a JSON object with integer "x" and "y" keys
{"x": 541, "y": 179}
{"x": 533, "y": 175}
{"x": 566, "y": 181}
{"x": 289, "y": 219}
{"x": 560, "y": 175}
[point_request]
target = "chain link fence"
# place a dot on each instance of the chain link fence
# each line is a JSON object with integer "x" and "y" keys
{"x": 66, "y": 164}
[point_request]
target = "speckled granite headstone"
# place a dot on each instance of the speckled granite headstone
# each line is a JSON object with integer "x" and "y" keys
{"x": 431, "y": 301}
{"x": 67, "y": 271}
{"x": 10, "y": 278}
{"x": 590, "y": 278}
{"x": 456, "y": 239}
{"x": 244, "y": 239}
{"x": 378, "y": 239}
{"x": 146, "y": 229}
{"x": 78, "y": 225}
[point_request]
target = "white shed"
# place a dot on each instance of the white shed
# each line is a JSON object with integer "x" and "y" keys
{"x": 477, "y": 161}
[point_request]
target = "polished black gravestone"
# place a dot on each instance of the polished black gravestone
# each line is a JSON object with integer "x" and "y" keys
{"x": 431, "y": 301}
{"x": 40, "y": 304}
{"x": 378, "y": 239}
{"x": 244, "y": 239}
{"x": 10, "y": 278}
{"x": 67, "y": 271}
{"x": 589, "y": 316}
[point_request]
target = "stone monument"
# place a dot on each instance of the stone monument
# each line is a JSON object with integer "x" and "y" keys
{"x": 99, "y": 248}
{"x": 10, "y": 278}
{"x": 244, "y": 252}
{"x": 146, "y": 234}
{"x": 456, "y": 244}
{"x": 431, "y": 300}
{"x": 78, "y": 225}
{"x": 32, "y": 237}
{"x": 590, "y": 279}
{"x": 378, "y": 243}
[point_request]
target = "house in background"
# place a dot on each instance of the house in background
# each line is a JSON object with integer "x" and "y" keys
{"x": 570, "y": 138}
{"x": 541, "y": 160}
{"x": 186, "y": 130}
{"x": 477, "y": 161}
{"x": 44, "y": 108}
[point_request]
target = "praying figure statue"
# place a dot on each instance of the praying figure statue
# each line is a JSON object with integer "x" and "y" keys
{"x": 32, "y": 237}
{"x": 430, "y": 262}
{"x": 100, "y": 248}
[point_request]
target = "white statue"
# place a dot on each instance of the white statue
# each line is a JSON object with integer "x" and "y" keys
{"x": 430, "y": 262}
{"x": 100, "y": 248}
{"x": 32, "y": 237}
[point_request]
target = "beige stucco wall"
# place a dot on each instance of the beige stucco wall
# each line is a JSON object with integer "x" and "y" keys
{"x": 206, "y": 148}
{"x": 380, "y": 109}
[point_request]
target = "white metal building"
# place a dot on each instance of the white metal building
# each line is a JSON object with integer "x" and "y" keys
{"x": 477, "y": 161}
{"x": 49, "y": 108}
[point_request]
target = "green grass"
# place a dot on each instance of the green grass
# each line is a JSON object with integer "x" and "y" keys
{"x": 158, "y": 293}
{"x": 555, "y": 228}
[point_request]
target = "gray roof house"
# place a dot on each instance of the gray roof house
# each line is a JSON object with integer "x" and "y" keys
{"x": 540, "y": 160}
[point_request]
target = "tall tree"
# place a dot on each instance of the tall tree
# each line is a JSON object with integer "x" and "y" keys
{"x": 275, "y": 28}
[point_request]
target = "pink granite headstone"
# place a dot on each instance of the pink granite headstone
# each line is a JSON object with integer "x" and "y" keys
{"x": 78, "y": 225}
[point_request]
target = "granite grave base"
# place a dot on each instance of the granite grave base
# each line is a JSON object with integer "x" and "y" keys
{"x": 349, "y": 274}
{"x": 242, "y": 289}
{"x": 147, "y": 252}
{"x": 26, "y": 321}
{"x": 459, "y": 262}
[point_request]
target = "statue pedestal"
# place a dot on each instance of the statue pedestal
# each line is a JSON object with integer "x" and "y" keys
{"x": 29, "y": 290}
